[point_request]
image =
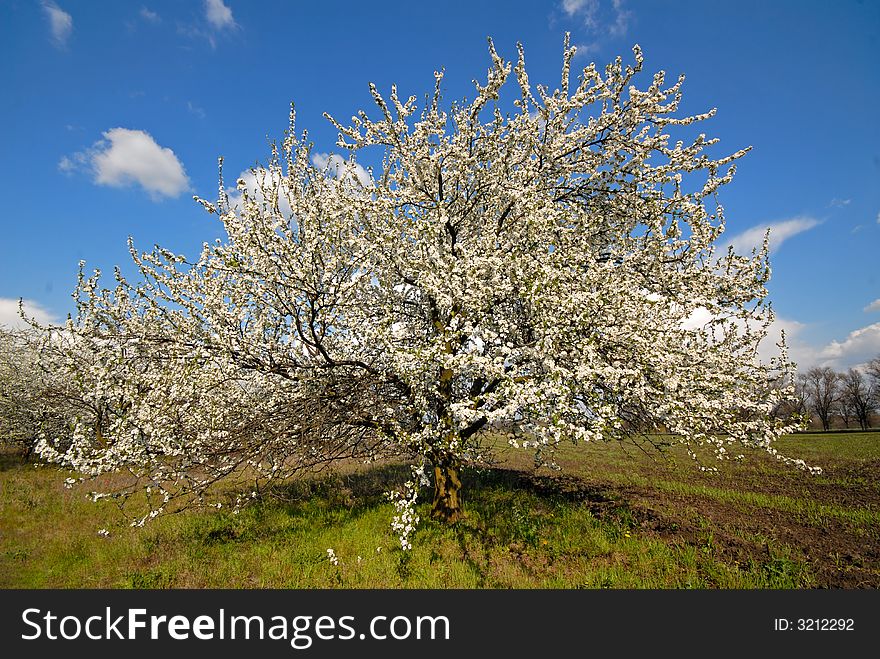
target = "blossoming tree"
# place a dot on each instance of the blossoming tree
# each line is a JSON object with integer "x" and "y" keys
{"x": 34, "y": 399}
{"x": 533, "y": 276}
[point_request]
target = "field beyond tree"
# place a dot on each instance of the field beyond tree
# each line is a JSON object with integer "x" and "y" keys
{"x": 613, "y": 517}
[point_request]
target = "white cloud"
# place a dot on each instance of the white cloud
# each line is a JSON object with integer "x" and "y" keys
{"x": 69, "y": 164}
{"x": 798, "y": 351}
{"x": 840, "y": 203}
{"x": 698, "y": 318}
{"x": 571, "y": 7}
{"x": 195, "y": 109}
{"x": 621, "y": 19}
{"x": 750, "y": 239}
{"x": 9, "y": 313}
{"x": 126, "y": 157}
{"x": 150, "y": 16}
{"x": 253, "y": 181}
{"x": 585, "y": 49}
{"x": 339, "y": 167}
{"x": 60, "y": 23}
{"x": 614, "y": 22}
{"x": 874, "y": 306}
{"x": 219, "y": 15}
{"x": 858, "y": 348}
{"x": 217, "y": 18}
{"x": 585, "y": 9}
{"x": 878, "y": 218}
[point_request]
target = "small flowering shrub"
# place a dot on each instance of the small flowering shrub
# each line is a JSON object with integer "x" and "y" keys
{"x": 548, "y": 270}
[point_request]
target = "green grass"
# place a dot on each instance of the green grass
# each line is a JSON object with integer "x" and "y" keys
{"x": 851, "y": 446}
{"x": 618, "y": 518}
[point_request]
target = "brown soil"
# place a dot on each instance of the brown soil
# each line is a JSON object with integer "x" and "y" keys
{"x": 838, "y": 553}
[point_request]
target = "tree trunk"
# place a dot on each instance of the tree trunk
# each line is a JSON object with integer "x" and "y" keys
{"x": 446, "y": 506}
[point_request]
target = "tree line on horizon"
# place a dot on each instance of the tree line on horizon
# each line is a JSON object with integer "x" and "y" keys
{"x": 830, "y": 398}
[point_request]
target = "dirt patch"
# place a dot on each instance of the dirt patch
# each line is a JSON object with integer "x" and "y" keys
{"x": 838, "y": 553}
{"x": 839, "y": 556}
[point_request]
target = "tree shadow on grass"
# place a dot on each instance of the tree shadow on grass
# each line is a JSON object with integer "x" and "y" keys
{"x": 317, "y": 500}
{"x": 354, "y": 491}
{"x": 547, "y": 491}
{"x": 487, "y": 493}
{"x": 483, "y": 490}
{"x": 502, "y": 508}
{"x": 511, "y": 512}
{"x": 508, "y": 517}
{"x": 13, "y": 457}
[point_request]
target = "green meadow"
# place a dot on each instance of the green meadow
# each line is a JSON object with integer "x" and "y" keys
{"x": 614, "y": 516}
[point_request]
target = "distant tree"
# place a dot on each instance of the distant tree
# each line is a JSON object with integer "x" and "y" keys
{"x": 19, "y": 390}
{"x": 843, "y": 406}
{"x": 823, "y": 389}
{"x": 873, "y": 371}
{"x": 35, "y": 400}
{"x": 532, "y": 272}
{"x": 800, "y": 397}
{"x": 858, "y": 396}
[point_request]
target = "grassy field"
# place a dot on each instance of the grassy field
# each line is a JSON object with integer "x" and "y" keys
{"x": 614, "y": 517}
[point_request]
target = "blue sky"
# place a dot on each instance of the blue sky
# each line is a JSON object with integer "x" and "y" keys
{"x": 114, "y": 114}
